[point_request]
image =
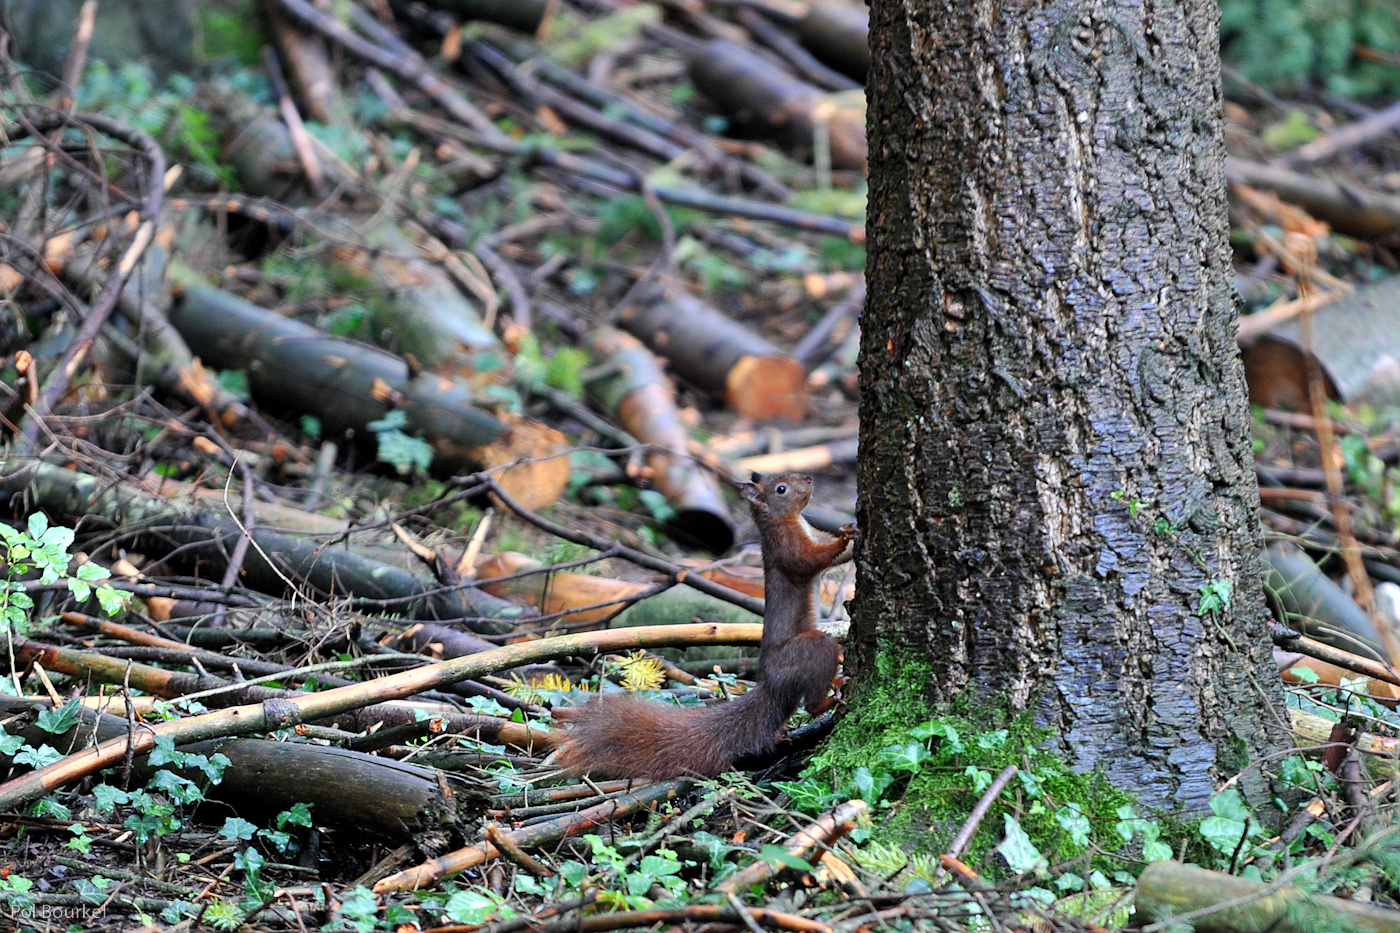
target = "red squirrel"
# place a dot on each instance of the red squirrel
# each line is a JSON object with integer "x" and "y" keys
{"x": 625, "y": 737}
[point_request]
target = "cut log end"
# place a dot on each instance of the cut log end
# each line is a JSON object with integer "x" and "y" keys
{"x": 540, "y": 480}
{"x": 763, "y": 387}
{"x": 703, "y": 528}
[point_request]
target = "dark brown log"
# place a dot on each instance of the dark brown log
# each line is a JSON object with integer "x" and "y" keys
{"x": 1221, "y": 903}
{"x": 838, "y": 34}
{"x": 633, "y": 387}
{"x": 1346, "y": 208}
{"x": 801, "y": 60}
{"x": 528, "y": 16}
{"x": 1311, "y": 603}
{"x": 762, "y": 94}
{"x": 208, "y": 536}
{"x": 294, "y": 368}
{"x": 353, "y": 791}
{"x": 1356, "y": 341}
{"x": 719, "y": 355}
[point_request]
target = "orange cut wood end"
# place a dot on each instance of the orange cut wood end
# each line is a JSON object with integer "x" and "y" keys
{"x": 763, "y": 387}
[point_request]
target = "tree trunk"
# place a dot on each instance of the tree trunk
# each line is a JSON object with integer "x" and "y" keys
{"x": 1055, "y": 449}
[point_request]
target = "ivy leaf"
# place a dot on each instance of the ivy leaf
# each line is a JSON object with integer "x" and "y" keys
{"x": 905, "y": 757}
{"x": 1073, "y": 821}
{"x": 39, "y": 757}
{"x": 991, "y": 740}
{"x": 952, "y": 742}
{"x": 785, "y": 858}
{"x": 59, "y": 721}
{"x": 237, "y": 828}
{"x": 981, "y": 779}
{"x": 471, "y": 907}
{"x": 1020, "y": 853}
{"x": 9, "y": 744}
{"x": 109, "y": 797}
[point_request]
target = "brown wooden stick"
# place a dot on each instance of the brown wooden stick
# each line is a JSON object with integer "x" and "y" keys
{"x": 434, "y": 870}
{"x": 822, "y": 834}
{"x": 975, "y": 818}
{"x": 1344, "y": 659}
{"x": 1349, "y": 209}
{"x": 286, "y": 712}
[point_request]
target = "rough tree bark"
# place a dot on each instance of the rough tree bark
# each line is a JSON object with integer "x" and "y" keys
{"x": 1055, "y": 450}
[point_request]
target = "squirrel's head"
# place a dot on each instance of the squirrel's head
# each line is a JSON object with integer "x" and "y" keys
{"x": 781, "y": 492}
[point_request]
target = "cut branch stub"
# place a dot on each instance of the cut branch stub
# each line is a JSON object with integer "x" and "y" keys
{"x": 632, "y": 386}
{"x": 757, "y": 92}
{"x": 719, "y": 355}
{"x": 294, "y": 368}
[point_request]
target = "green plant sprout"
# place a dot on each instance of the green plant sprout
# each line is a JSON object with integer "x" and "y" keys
{"x": 44, "y": 547}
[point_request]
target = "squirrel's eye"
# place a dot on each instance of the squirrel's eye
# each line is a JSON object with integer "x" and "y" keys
{"x": 782, "y": 489}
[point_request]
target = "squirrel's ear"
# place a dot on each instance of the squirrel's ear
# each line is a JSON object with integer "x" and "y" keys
{"x": 751, "y": 492}
{"x": 756, "y": 477}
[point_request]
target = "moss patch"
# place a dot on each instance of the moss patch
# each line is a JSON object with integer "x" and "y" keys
{"x": 881, "y": 713}
{"x": 935, "y": 774}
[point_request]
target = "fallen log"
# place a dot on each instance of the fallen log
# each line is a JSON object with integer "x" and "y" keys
{"x": 295, "y": 369}
{"x": 1215, "y": 902}
{"x": 718, "y": 355}
{"x": 352, "y": 791}
{"x": 629, "y": 383}
{"x": 761, "y": 94}
{"x": 838, "y": 34}
{"x": 1355, "y": 339}
{"x": 204, "y": 536}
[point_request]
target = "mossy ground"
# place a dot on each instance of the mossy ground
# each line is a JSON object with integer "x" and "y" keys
{"x": 922, "y": 810}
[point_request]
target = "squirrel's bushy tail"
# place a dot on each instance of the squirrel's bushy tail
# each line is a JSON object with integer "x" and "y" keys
{"x": 622, "y": 736}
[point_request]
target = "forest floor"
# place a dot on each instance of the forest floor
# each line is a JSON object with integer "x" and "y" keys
{"x": 481, "y": 340}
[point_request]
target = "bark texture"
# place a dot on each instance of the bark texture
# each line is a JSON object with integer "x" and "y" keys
{"x": 1050, "y": 340}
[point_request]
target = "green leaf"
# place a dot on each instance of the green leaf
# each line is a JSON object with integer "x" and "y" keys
{"x": 59, "y": 721}
{"x": 981, "y": 779}
{"x": 1073, "y": 821}
{"x": 181, "y": 789}
{"x": 772, "y": 853}
{"x": 238, "y": 828}
{"x": 1020, "y": 853}
{"x": 991, "y": 740}
{"x": 39, "y": 757}
{"x": 1230, "y": 804}
{"x": 298, "y": 815}
{"x": 108, "y": 797}
{"x": 1215, "y": 597}
{"x": 50, "y": 807}
{"x": 165, "y": 753}
{"x": 905, "y": 757}
{"x": 573, "y": 873}
{"x": 952, "y": 742}
{"x": 472, "y": 906}
{"x": 92, "y": 572}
